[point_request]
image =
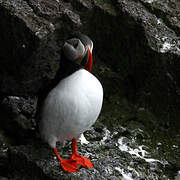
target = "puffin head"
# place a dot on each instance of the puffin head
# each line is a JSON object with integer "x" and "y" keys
{"x": 79, "y": 51}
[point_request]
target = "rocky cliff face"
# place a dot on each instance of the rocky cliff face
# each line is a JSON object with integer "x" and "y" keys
{"x": 136, "y": 57}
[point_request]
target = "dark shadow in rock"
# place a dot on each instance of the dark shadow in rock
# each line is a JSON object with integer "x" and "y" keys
{"x": 16, "y": 127}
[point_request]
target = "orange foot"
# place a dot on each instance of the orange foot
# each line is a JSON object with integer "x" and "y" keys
{"x": 68, "y": 165}
{"x": 71, "y": 165}
{"x": 83, "y": 161}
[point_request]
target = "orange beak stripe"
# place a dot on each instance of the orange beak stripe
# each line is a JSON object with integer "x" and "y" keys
{"x": 79, "y": 58}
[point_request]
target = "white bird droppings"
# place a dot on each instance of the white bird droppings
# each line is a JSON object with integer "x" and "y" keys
{"x": 137, "y": 152}
{"x": 83, "y": 139}
{"x": 106, "y": 136}
{"x": 126, "y": 176}
{"x": 165, "y": 47}
{"x": 13, "y": 97}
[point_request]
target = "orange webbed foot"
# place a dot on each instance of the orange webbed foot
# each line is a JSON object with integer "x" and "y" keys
{"x": 72, "y": 164}
{"x": 81, "y": 160}
{"x": 68, "y": 165}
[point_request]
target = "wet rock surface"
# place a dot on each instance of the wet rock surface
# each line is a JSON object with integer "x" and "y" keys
{"x": 136, "y": 57}
{"x": 115, "y": 155}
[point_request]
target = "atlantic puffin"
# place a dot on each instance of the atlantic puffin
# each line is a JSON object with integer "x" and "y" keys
{"x": 74, "y": 104}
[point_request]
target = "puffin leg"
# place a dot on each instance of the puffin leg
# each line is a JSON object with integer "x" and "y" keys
{"x": 67, "y": 164}
{"x": 83, "y": 161}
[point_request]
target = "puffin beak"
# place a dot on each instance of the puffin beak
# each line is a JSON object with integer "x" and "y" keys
{"x": 88, "y": 66}
{"x": 89, "y": 49}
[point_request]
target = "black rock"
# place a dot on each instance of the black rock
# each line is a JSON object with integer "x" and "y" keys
{"x": 136, "y": 57}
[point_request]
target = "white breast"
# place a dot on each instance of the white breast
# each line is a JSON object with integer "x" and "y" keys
{"x": 71, "y": 107}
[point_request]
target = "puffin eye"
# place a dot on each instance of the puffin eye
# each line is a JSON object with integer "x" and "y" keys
{"x": 75, "y": 44}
